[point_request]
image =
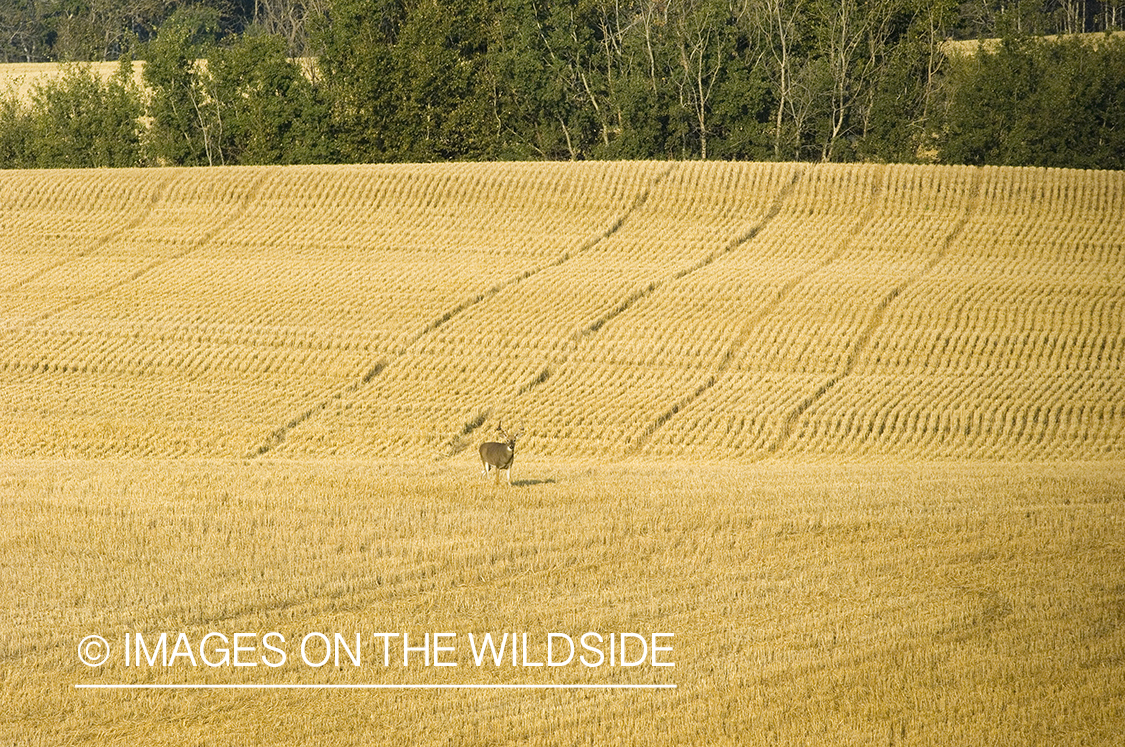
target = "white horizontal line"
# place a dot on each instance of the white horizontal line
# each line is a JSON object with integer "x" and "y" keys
{"x": 294, "y": 686}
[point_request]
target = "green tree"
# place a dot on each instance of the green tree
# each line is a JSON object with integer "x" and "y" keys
{"x": 92, "y": 30}
{"x": 536, "y": 113}
{"x": 265, "y": 109}
{"x": 719, "y": 81}
{"x": 1078, "y": 114}
{"x": 410, "y": 80}
{"x": 986, "y": 90}
{"x": 740, "y": 113}
{"x": 443, "y": 93}
{"x": 81, "y": 120}
{"x": 898, "y": 125}
{"x": 358, "y": 65}
{"x": 1038, "y": 103}
{"x": 585, "y": 78}
{"x": 184, "y": 129}
{"x": 28, "y": 30}
{"x": 653, "y": 121}
{"x": 17, "y": 134}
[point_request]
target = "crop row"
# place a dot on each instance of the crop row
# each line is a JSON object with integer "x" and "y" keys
{"x": 986, "y": 352}
{"x": 695, "y": 309}
{"x": 788, "y": 306}
{"x": 224, "y": 301}
{"x": 499, "y": 351}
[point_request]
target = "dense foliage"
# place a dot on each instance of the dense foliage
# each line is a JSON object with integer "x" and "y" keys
{"x": 421, "y": 80}
{"x": 78, "y": 120}
{"x": 1031, "y": 102}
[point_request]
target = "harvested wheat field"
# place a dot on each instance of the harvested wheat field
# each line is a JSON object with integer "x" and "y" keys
{"x": 22, "y": 80}
{"x": 807, "y": 454}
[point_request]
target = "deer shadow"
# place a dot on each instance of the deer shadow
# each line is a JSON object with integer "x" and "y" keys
{"x": 527, "y": 482}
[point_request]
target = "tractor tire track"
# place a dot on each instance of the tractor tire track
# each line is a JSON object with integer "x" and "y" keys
{"x": 157, "y": 197}
{"x": 642, "y": 293}
{"x": 202, "y": 241}
{"x": 771, "y": 213}
{"x": 861, "y": 342}
{"x": 638, "y": 202}
{"x": 280, "y": 434}
{"x": 755, "y": 321}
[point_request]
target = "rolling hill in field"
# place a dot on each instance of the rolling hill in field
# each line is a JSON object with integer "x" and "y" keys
{"x": 245, "y": 400}
{"x": 651, "y": 310}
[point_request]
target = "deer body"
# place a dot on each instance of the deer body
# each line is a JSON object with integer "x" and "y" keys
{"x": 498, "y": 455}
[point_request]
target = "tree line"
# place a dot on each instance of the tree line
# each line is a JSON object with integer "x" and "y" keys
{"x": 98, "y": 30}
{"x": 422, "y": 80}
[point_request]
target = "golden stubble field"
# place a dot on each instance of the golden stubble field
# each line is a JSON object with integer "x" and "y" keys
{"x": 619, "y": 310}
{"x": 21, "y": 80}
{"x": 849, "y": 438}
{"x": 862, "y": 604}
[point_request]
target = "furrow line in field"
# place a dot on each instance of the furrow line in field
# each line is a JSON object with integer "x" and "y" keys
{"x": 861, "y": 342}
{"x": 613, "y": 228}
{"x": 278, "y": 436}
{"x": 642, "y": 293}
{"x": 648, "y": 290}
{"x": 204, "y": 240}
{"x": 157, "y": 196}
{"x": 748, "y": 328}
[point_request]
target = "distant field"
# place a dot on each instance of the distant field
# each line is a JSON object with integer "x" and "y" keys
{"x": 852, "y": 436}
{"x": 21, "y": 78}
{"x": 970, "y": 46}
{"x": 649, "y": 310}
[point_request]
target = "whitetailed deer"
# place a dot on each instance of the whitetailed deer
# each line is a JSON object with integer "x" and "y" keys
{"x": 498, "y": 455}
